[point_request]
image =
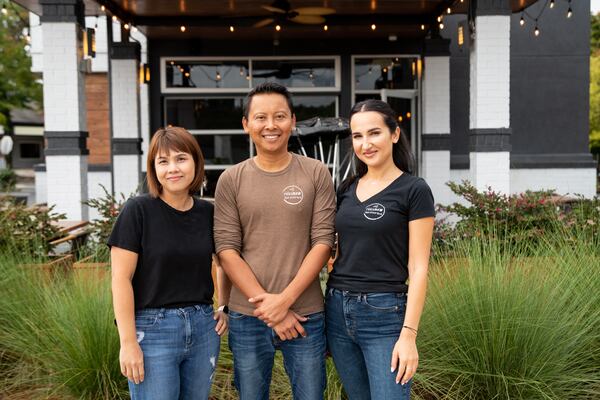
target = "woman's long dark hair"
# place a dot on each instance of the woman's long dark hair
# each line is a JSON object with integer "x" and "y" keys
{"x": 401, "y": 153}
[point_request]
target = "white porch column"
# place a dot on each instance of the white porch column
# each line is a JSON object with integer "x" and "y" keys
{"x": 65, "y": 127}
{"x": 489, "y": 141}
{"x": 125, "y": 115}
{"x": 435, "y": 139}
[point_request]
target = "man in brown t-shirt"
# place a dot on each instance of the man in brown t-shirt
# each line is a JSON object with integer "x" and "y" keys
{"x": 273, "y": 233}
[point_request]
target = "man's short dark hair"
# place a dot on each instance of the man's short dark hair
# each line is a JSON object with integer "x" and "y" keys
{"x": 267, "y": 88}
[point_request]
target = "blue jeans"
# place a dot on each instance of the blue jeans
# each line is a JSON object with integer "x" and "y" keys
{"x": 362, "y": 329}
{"x": 180, "y": 349}
{"x": 253, "y": 345}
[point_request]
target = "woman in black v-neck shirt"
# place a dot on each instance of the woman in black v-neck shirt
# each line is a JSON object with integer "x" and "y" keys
{"x": 384, "y": 224}
{"x": 161, "y": 256}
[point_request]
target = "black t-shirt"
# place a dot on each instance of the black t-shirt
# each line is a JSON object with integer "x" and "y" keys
{"x": 174, "y": 251}
{"x": 373, "y": 235}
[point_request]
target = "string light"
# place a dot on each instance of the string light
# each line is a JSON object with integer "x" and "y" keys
{"x": 126, "y": 26}
{"x": 277, "y": 28}
{"x": 114, "y": 18}
{"x": 422, "y": 27}
{"x": 310, "y": 75}
{"x": 522, "y": 20}
{"x": 231, "y": 28}
{"x": 569, "y": 12}
{"x": 182, "y": 28}
{"x": 241, "y": 71}
{"x": 4, "y": 9}
{"x": 218, "y": 76}
{"x": 449, "y": 10}
{"x": 441, "y": 25}
{"x": 439, "y": 19}
{"x": 172, "y": 62}
{"x": 102, "y": 8}
{"x": 373, "y": 27}
{"x": 551, "y": 3}
{"x": 325, "y": 28}
{"x": 536, "y": 31}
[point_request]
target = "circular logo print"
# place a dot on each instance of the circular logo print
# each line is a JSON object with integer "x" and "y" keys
{"x": 374, "y": 211}
{"x": 292, "y": 195}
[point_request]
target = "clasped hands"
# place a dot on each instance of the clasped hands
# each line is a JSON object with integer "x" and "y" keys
{"x": 274, "y": 310}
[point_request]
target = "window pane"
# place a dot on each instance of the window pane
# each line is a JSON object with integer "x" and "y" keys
{"x": 206, "y": 113}
{"x": 30, "y": 150}
{"x": 295, "y": 73}
{"x": 306, "y": 107}
{"x": 207, "y": 74}
{"x": 224, "y": 149}
{"x": 385, "y": 73}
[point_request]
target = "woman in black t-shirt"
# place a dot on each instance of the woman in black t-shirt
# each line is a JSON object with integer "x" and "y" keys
{"x": 161, "y": 256}
{"x": 384, "y": 223}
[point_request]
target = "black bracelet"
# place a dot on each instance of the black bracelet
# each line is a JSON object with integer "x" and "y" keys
{"x": 412, "y": 329}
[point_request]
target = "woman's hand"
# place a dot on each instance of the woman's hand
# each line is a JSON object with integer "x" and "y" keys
{"x": 405, "y": 356}
{"x": 222, "y": 322}
{"x": 272, "y": 308}
{"x": 131, "y": 360}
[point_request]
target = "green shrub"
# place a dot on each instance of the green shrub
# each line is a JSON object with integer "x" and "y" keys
{"x": 27, "y": 230}
{"x": 8, "y": 180}
{"x": 530, "y": 217}
{"x": 505, "y": 322}
{"x": 108, "y": 207}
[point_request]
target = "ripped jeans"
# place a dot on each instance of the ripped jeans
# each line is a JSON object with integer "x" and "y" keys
{"x": 180, "y": 349}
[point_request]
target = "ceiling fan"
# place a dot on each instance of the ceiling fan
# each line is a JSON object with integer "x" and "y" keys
{"x": 282, "y": 10}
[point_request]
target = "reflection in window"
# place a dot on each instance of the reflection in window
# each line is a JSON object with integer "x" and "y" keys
{"x": 295, "y": 73}
{"x": 385, "y": 73}
{"x": 208, "y": 74}
{"x": 306, "y": 107}
{"x": 224, "y": 149}
{"x": 206, "y": 113}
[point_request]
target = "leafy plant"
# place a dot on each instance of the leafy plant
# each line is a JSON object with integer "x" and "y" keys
{"x": 27, "y": 230}
{"x": 8, "y": 180}
{"x": 108, "y": 207}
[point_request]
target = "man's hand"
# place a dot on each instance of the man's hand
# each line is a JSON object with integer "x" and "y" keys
{"x": 272, "y": 308}
{"x": 290, "y": 327}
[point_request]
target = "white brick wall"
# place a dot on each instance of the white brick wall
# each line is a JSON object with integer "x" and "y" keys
{"x": 564, "y": 181}
{"x": 490, "y": 169}
{"x": 126, "y": 177}
{"x": 490, "y": 73}
{"x": 95, "y": 179}
{"x": 125, "y": 98}
{"x": 145, "y": 123}
{"x": 64, "y": 85}
{"x": 66, "y": 179}
{"x": 41, "y": 189}
{"x": 436, "y": 171}
{"x": 436, "y": 95}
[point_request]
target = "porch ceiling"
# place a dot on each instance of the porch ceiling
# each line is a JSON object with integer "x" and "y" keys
{"x": 212, "y": 19}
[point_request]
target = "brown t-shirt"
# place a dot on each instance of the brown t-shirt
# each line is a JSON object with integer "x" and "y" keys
{"x": 273, "y": 219}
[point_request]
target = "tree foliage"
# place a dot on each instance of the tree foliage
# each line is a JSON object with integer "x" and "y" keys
{"x": 19, "y": 87}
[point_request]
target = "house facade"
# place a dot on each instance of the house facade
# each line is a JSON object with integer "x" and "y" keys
{"x": 478, "y": 92}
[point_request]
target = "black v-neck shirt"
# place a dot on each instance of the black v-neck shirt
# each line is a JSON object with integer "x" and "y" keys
{"x": 174, "y": 251}
{"x": 373, "y": 235}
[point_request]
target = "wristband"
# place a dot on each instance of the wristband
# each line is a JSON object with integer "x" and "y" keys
{"x": 223, "y": 309}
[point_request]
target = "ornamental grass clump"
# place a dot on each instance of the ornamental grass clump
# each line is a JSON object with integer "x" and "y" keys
{"x": 61, "y": 332}
{"x": 512, "y": 322}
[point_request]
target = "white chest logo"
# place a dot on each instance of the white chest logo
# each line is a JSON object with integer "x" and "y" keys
{"x": 292, "y": 195}
{"x": 374, "y": 211}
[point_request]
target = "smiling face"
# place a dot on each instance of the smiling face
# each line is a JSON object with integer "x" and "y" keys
{"x": 269, "y": 124}
{"x": 175, "y": 171}
{"x": 372, "y": 140}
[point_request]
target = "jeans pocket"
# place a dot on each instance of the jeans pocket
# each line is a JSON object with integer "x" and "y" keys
{"x": 384, "y": 302}
{"x": 146, "y": 320}
{"x": 206, "y": 309}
